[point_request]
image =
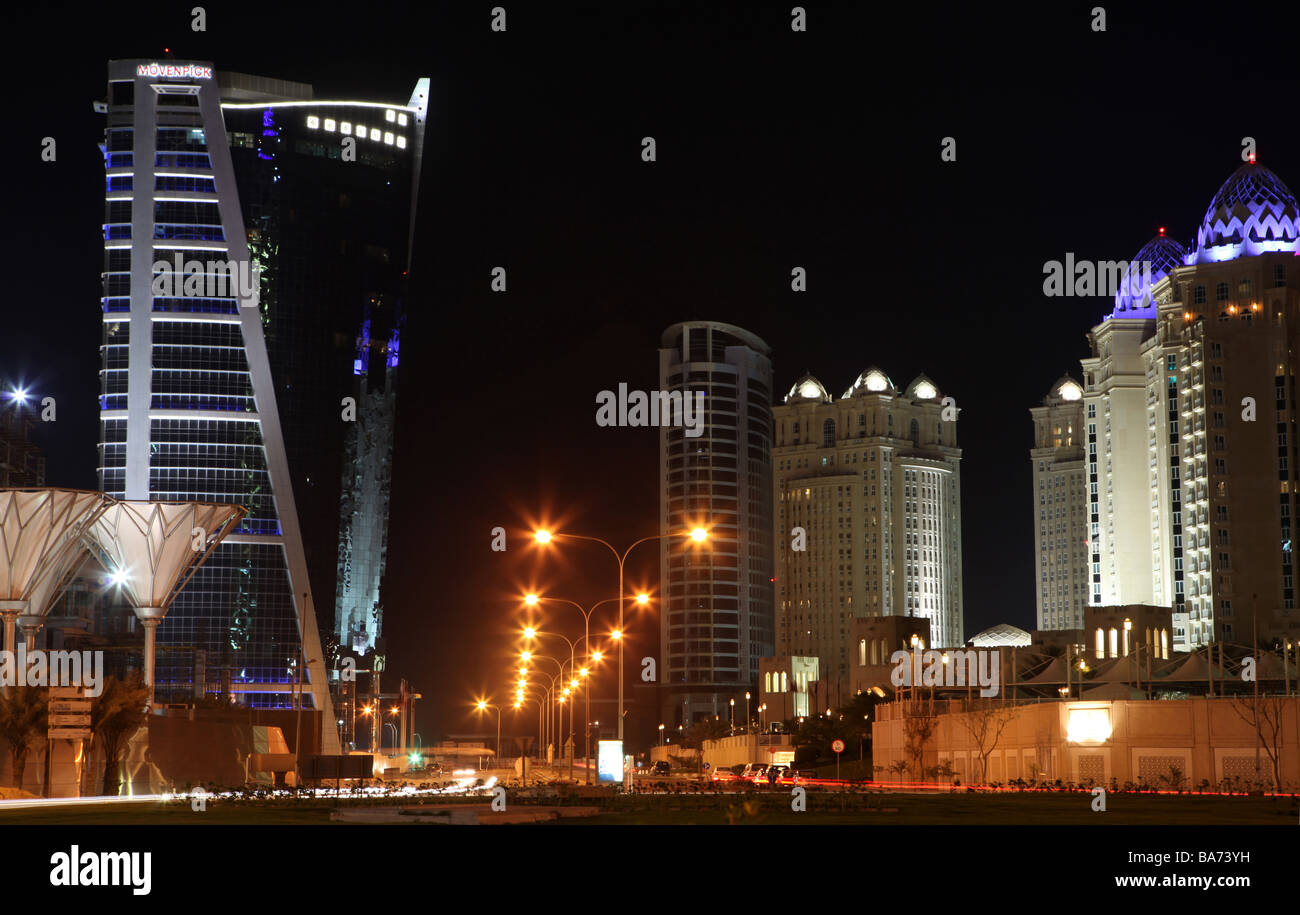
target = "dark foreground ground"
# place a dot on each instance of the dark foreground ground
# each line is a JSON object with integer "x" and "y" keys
{"x": 767, "y": 808}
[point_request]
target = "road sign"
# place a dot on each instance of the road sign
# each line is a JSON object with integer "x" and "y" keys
{"x": 837, "y": 745}
{"x": 71, "y": 721}
{"x": 68, "y": 692}
{"x": 80, "y": 706}
{"x": 69, "y": 733}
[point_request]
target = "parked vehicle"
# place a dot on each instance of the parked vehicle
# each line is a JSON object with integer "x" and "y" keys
{"x": 661, "y": 767}
{"x": 778, "y": 773}
{"x": 753, "y": 772}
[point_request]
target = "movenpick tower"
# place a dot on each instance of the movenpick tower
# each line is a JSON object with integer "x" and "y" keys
{"x": 217, "y": 385}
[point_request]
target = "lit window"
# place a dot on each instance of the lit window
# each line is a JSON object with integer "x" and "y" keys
{"x": 313, "y": 122}
{"x": 401, "y": 120}
{"x": 374, "y": 133}
{"x": 345, "y": 127}
{"x": 329, "y": 124}
{"x": 388, "y": 138}
{"x": 401, "y": 142}
{"x": 389, "y": 114}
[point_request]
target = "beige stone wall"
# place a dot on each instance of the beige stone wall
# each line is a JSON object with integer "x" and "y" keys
{"x": 1206, "y": 738}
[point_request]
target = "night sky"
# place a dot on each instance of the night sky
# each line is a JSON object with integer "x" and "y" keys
{"x": 775, "y": 150}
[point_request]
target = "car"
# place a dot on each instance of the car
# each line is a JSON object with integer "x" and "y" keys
{"x": 777, "y": 773}
{"x": 753, "y": 772}
{"x": 727, "y": 773}
{"x": 661, "y": 767}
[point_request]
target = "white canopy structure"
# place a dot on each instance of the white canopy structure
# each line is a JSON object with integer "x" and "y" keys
{"x": 152, "y": 549}
{"x": 41, "y": 545}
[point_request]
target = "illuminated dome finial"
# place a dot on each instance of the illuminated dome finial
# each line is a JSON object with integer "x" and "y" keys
{"x": 1253, "y": 213}
{"x": 1134, "y": 299}
{"x": 808, "y": 388}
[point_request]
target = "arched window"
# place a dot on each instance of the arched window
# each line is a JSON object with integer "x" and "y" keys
{"x": 916, "y": 433}
{"x": 767, "y": 682}
{"x": 785, "y": 686}
{"x": 1101, "y": 643}
{"x": 1198, "y": 295}
{"x": 1221, "y": 292}
{"x": 1114, "y": 642}
{"x": 1164, "y": 644}
{"x": 828, "y": 434}
{"x": 875, "y": 652}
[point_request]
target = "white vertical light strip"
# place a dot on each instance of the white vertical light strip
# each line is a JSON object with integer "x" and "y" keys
{"x": 272, "y": 437}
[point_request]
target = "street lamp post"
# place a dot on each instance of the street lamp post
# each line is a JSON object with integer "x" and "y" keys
{"x": 698, "y": 534}
{"x": 748, "y": 720}
{"x": 532, "y": 600}
{"x": 483, "y": 706}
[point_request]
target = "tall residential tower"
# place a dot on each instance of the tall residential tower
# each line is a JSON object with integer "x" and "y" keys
{"x": 716, "y": 615}
{"x": 869, "y": 485}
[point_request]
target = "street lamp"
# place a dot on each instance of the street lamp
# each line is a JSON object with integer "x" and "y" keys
{"x": 483, "y": 706}
{"x": 661, "y": 735}
{"x": 747, "y": 719}
{"x": 697, "y": 534}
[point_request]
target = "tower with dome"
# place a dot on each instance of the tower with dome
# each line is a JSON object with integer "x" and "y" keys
{"x": 1183, "y": 478}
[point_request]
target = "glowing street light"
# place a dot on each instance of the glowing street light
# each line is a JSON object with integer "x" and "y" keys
{"x": 483, "y": 706}
{"x": 643, "y": 598}
{"x": 698, "y": 535}
{"x": 530, "y": 600}
{"x": 530, "y": 632}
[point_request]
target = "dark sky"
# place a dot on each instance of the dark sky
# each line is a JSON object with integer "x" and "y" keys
{"x": 775, "y": 149}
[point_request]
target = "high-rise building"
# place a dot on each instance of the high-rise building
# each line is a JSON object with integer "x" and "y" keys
{"x": 1060, "y": 524}
{"x": 716, "y": 613}
{"x": 1190, "y": 404}
{"x": 367, "y": 485}
{"x": 21, "y": 463}
{"x": 868, "y": 516}
{"x": 272, "y": 205}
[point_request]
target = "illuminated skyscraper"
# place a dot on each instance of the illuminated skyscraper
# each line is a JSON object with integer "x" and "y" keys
{"x": 215, "y": 171}
{"x": 1189, "y": 397}
{"x": 868, "y": 517}
{"x": 1060, "y": 504}
{"x": 716, "y": 616}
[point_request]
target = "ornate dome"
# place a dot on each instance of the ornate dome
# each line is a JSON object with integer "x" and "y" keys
{"x": 922, "y": 388}
{"x": 872, "y": 381}
{"x": 1254, "y": 212}
{"x": 1003, "y": 635}
{"x": 1066, "y": 388}
{"x": 808, "y": 388}
{"x": 1133, "y": 299}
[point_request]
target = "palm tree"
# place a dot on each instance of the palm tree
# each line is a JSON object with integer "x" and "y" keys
{"x": 117, "y": 713}
{"x": 24, "y": 712}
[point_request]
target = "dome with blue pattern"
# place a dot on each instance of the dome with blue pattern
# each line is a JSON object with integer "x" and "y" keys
{"x": 1133, "y": 299}
{"x": 1253, "y": 213}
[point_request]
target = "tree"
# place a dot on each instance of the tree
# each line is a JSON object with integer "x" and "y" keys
{"x": 1268, "y": 727}
{"x": 24, "y": 716}
{"x": 918, "y": 724}
{"x": 985, "y": 720}
{"x": 116, "y": 714}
